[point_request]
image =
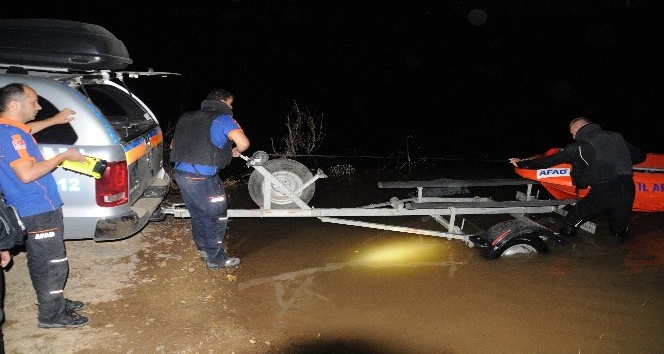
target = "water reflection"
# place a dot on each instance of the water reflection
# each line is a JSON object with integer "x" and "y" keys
{"x": 645, "y": 252}
{"x": 294, "y": 288}
{"x": 596, "y": 294}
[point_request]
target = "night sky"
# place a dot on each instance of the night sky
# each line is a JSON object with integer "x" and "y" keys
{"x": 452, "y": 78}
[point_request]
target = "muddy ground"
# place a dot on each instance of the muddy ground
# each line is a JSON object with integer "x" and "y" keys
{"x": 310, "y": 287}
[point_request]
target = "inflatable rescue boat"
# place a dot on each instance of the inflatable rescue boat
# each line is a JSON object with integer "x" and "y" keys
{"x": 648, "y": 181}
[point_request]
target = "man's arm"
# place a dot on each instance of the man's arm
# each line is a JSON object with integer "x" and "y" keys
{"x": 29, "y": 170}
{"x": 637, "y": 154}
{"x": 241, "y": 141}
{"x": 64, "y": 116}
{"x": 563, "y": 156}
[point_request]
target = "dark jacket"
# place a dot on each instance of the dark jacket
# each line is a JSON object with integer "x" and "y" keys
{"x": 596, "y": 156}
{"x": 11, "y": 231}
{"x": 192, "y": 142}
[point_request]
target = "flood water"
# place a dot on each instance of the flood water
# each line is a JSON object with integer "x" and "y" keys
{"x": 334, "y": 288}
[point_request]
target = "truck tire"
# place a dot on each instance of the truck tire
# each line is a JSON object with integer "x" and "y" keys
{"x": 290, "y": 173}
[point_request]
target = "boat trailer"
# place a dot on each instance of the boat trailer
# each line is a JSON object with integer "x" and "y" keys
{"x": 283, "y": 187}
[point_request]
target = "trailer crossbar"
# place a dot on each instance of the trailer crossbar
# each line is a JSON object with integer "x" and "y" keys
{"x": 450, "y": 183}
{"x": 447, "y": 235}
{"x": 491, "y": 204}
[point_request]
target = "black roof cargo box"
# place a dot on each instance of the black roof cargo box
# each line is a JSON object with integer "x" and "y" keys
{"x": 61, "y": 44}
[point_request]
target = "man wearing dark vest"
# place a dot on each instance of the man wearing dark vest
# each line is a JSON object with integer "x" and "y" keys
{"x": 204, "y": 142}
{"x": 601, "y": 160}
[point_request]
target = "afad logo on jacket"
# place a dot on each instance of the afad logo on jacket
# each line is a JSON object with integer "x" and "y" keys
{"x": 552, "y": 172}
{"x": 19, "y": 144}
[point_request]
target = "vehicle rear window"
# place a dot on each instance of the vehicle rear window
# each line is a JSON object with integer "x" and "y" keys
{"x": 55, "y": 134}
{"x": 126, "y": 116}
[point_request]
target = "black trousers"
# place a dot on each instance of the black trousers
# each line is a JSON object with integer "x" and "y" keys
{"x": 615, "y": 197}
{"x": 47, "y": 262}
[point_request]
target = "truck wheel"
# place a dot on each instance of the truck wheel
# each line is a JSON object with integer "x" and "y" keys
{"x": 291, "y": 174}
{"x": 522, "y": 244}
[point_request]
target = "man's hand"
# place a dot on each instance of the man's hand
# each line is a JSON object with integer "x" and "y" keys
{"x": 5, "y": 258}
{"x": 72, "y": 154}
{"x": 64, "y": 116}
{"x": 514, "y": 161}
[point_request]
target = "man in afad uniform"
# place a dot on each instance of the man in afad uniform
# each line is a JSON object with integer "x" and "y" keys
{"x": 203, "y": 145}
{"x": 601, "y": 160}
{"x": 29, "y": 186}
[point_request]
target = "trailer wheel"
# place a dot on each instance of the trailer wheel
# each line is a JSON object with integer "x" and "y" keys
{"x": 520, "y": 245}
{"x": 290, "y": 173}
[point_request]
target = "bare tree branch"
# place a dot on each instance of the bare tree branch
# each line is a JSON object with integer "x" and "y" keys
{"x": 304, "y": 135}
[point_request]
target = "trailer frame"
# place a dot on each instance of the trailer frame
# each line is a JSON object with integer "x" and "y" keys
{"x": 444, "y": 210}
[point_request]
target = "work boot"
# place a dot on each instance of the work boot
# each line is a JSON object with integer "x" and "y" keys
{"x": 65, "y": 320}
{"x": 71, "y": 305}
{"x": 229, "y": 263}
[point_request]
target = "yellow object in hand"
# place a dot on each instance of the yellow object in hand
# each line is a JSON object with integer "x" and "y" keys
{"x": 94, "y": 167}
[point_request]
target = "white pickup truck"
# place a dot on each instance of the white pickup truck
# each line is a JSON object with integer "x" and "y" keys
{"x": 77, "y": 65}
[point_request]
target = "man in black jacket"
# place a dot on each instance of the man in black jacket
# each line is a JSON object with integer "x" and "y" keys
{"x": 601, "y": 160}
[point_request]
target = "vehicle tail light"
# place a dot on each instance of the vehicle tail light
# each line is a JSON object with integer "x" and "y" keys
{"x": 112, "y": 187}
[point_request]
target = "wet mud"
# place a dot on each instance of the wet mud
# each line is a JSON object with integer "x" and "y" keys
{"x": 305, "y": 286}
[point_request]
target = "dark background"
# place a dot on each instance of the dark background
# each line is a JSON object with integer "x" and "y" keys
{"x": 448, "y": 78}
